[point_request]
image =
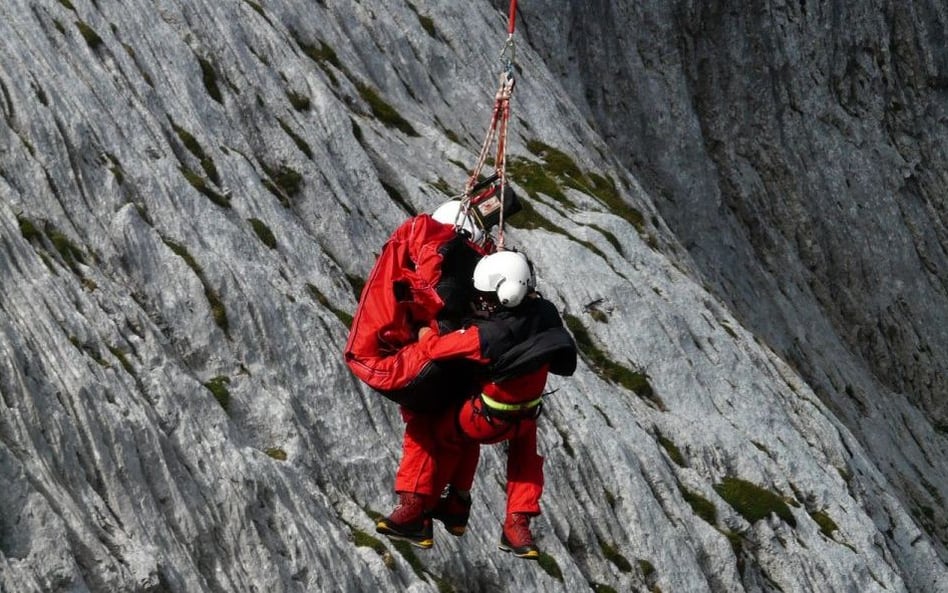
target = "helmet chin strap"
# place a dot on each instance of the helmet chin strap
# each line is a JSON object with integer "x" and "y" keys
{"x": 486, "y": 303}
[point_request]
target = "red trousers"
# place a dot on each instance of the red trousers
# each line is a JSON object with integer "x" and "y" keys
{"x": 445, "y": 448}
{"x": 524, "y": 464}
{"x": 421, "y": 452}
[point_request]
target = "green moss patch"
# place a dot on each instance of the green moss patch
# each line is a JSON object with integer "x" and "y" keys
{"x": 557, "y": 163}
{"x": 426, "y": 22}
{"x": 647, "y": 568}
{"x": 605, "y": 189}
{"x": 218, "y": 388}
{"x": 364, "y": 540}
{"x": 195, "y": 148}
{"x": 549, "y": 566}
{"x": 608, "y": 369}
{"x": 88, "y": 33}
{"x": 298, "y": 101}
{"x": 28, "y": 229}
{"x": 324, "y": 56}
{"x": 283, "y": 181}
{"x": 443, "y": 186}
{"x": 123, "y": 360}
{"x": 263, "y": 232}
{"x": 258, "y": 9}
{"x": 609, "y": 237}
{"x": 826, "y": 523}
{"x": 383, "y": 111}
{"x": 672, "y": 449}
{"x": 611, "y": 553}
{"x": 752, "y": 501}
{"x": 201, "y": 185}
{"x": 535, "y": 179}
{"x": 297, "y": 139}
{"x": 209, "y": 78}
{"x": 558, "y": 170}
{"x": 408, "y": 553}
{"x": 37, "y": 234}
{"x": 68, "y": 250}
{"x": 320, "y": 298}
{"x": 218, "y": 310}
{"x": 701, "y": 506}
{"x": 276, "y": 453}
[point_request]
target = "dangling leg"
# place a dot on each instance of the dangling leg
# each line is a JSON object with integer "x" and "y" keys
{"x": 456, "y": 468}
{"x": 414, "y": 484}
{"x": 524, "y": 488}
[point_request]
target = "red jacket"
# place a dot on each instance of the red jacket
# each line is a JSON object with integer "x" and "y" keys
{"x": 406, "y": 289}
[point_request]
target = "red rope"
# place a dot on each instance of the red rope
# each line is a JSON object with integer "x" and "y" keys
{"x": 498, "y": 128}
{"x": 512, "y": 17}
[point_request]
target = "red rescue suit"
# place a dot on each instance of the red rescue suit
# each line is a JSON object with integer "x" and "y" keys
{"x": 477, "y": 423}
{"x": 423, "y": 275}
{"x": 523, "y": 346}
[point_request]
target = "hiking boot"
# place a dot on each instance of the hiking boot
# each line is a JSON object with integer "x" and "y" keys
{"x": 516, "y": 537}
{"x": 453, "y": 510}
{"x": 408, "y": 521}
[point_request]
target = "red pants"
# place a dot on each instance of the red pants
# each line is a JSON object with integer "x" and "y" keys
{"x": 421, "y": 452}
{"x": 435, "y": 453}
{"x": 524, "y": 464}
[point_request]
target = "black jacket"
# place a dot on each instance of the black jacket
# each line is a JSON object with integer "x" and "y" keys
{"x": 521, "y": 340}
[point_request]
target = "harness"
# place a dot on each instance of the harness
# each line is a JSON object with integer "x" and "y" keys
{"x": 497, "y": 406}
{"x": 496, "y": 411}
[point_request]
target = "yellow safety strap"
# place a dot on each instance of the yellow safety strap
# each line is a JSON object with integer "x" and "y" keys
{"x": 504, "y": 407}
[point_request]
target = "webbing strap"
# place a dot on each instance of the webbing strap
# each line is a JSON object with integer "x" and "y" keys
{"x": 493, "y": 404}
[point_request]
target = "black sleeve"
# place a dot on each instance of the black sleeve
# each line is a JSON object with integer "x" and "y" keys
{"x": 456, "y": 286}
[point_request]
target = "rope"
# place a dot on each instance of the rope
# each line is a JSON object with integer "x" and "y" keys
{"x": 512, "y": 17}
{"x": 500, "y": 116}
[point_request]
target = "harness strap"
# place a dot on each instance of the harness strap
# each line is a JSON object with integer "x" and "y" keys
{"x": 497, "y": 406}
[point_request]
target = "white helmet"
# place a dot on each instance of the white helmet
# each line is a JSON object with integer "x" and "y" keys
{"x": 450, "y": 213}
{"x": 506, "y": 273}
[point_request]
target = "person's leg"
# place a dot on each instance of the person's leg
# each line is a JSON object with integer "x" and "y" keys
{"x": 524, "y": 488}
{"x": 456, "y": 466}
{"x": 524, "y": 470}
{"x": 414, "y": 484}
{"x": 416, "y": 470}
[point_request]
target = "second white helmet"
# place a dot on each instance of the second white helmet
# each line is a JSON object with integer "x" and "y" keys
{"x": 450, "y": 213}
{"x": 506, "y": 273}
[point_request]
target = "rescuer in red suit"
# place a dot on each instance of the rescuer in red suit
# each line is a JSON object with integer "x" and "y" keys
{"x": 422, "y": 279}
{"x": 523, "y": 338}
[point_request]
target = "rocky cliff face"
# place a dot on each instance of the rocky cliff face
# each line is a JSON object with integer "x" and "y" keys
{"x": 740, "y": 212}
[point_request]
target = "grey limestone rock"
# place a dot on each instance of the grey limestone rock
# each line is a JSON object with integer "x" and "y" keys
{"x": 742, "y": 219}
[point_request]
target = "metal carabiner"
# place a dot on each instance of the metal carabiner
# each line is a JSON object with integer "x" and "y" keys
{"x": 509, "y": 49}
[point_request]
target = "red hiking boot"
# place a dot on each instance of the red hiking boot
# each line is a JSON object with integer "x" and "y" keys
{"x": 516, "y": 537}
{"x": 453, "y": 510}
{"x": 408, "y": 522}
